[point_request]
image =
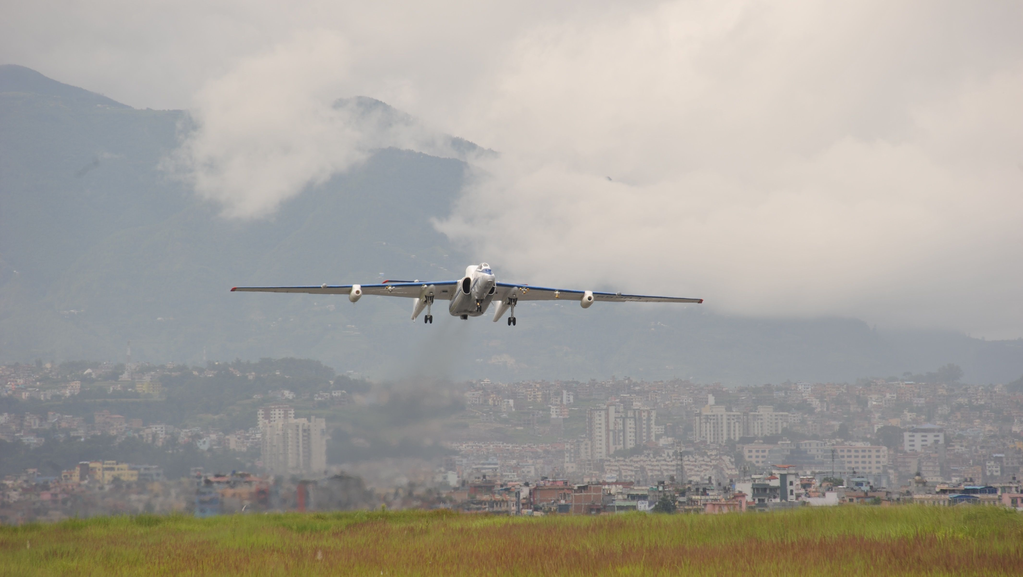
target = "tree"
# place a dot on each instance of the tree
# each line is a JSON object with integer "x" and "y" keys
{"x": 949, "y": 374}
{"x": 665, "y": 505}
{"x": 1015, "y": 386}
{"x": 842, "y": 432}
{"x": 889, "y": 436}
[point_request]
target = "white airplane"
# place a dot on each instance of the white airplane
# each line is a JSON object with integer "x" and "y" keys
{"x": 470, "y": 296}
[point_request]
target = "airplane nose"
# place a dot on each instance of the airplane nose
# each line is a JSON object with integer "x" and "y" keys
{"x": 482, "y": 287}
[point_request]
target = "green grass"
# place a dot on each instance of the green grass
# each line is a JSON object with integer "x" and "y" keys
{"x": 873, "y": 541}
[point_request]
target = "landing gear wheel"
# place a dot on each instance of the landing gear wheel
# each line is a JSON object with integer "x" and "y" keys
{"x": 512, "y": 321}
{"x": 428, "y": 319}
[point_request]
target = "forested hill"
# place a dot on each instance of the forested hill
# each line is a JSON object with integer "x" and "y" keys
{"x": 98, "y": 247}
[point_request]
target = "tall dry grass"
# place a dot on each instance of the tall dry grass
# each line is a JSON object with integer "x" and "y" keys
{"x": 851, "y": 540}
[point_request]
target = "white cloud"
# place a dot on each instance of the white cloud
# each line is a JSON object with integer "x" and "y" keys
{"x": 795, "y": 158}
{"x": 274, "y": 126}
{"x": 267, "y": 129}
{"x": 776, "y": 160}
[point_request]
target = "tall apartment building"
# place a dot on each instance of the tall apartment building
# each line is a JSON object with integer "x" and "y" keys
{"x": 636, "y": 426}
{"x": 614, "y": 428}
{"x": 765, "y": 422}
{"x": 600, "y": 431}
{"x": 294, "y": 446}
{"x": 274, "y": 414}
{"x": 717, "y": 425}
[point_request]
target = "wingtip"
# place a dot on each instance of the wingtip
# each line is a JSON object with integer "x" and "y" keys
{"x": 701, "y": 300}
{"x": 234, "y": 289}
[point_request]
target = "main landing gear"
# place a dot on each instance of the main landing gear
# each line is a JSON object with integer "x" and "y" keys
{"x": 428, "y": 319}
{"x": 511, "y": 314}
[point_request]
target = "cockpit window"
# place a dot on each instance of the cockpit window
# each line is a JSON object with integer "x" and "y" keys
{"x": 485, "y": 268}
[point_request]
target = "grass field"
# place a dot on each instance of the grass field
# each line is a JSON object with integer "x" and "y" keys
{"x": 862, "y": 540}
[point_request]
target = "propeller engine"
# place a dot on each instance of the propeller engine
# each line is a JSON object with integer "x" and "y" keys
{"x": 587, "y": 299}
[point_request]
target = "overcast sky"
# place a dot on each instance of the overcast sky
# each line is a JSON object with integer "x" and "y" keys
{"x": 860, "y": 159}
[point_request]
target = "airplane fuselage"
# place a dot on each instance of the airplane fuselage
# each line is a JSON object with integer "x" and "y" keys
{"x": 474, "y": 292}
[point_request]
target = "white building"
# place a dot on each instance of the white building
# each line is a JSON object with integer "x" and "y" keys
{"x": 717, "y": 425}
{"x": 814, "y": 448}
{"x": 559, "y": 412}
{"x": 918, "y": 438}
{"x": 993, "y": 469}
{"x": 757, "y": 453}
{"x": 862, "y": 458}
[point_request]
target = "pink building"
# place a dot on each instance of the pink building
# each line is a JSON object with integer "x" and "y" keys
{"x": 737, "y": 504}
{"x": 1012, "y": 500}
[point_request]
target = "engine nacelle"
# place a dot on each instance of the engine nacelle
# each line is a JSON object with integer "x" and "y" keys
{"x": 465, "y": 285}
{"x": 417, "y": 307}
{"x": 499, "y": 309}
{"x": 356, "y": 293}
{"x": 587, "y": 299}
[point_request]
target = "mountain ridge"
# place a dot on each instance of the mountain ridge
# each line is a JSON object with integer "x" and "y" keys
{"x": 19, "y": 79}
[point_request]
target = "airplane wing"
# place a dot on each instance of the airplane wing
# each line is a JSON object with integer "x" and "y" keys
{"x": 526, "y": 292}
{"x": 441, "y": 290}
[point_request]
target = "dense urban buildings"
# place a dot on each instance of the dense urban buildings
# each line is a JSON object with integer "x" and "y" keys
{"x": 486, "y": 445}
